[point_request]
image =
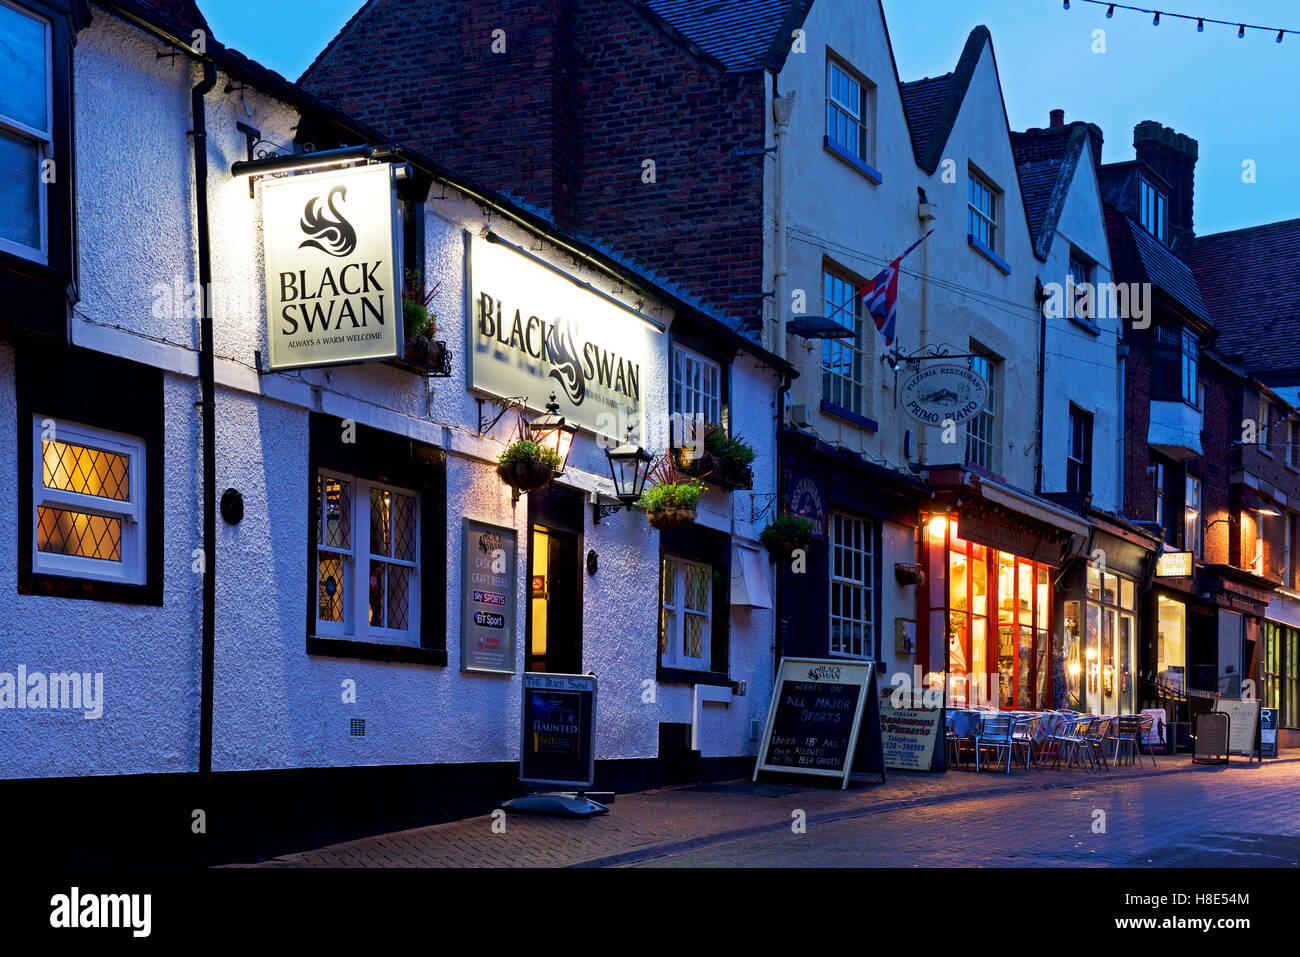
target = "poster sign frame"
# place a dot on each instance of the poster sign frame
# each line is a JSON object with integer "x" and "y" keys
{"x": 582, "y": 688}
{"x": 1244, "y": 729}
{"x": 488, "y": 607}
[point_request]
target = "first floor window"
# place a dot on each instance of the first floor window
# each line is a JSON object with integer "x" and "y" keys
{"x": 88, "y": 502}
{"x": 26, "y": 130}
{"x": 685, "y": 613}
{"x": 842, "y": 357}
{"x": 982, "y": 211}
{"x": 367, "y": 559}
{"x": 696, "y": 391}
{"x": 852, "y": 619}
{"x": 1192, "y": 517}
{"x": 980, "y": 447}
{"x": 1078, "y": 460}
{"x": 846, "y": 110}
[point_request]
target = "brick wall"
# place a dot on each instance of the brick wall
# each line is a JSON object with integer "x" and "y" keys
{"x": 585, "y": 92}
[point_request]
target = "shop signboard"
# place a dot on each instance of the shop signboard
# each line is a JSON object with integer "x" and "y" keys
{"x": 1175, "y": 565}
{"x": 946, "y": 392}
{"x": 1213, "y": 731}
{"x": 487, "y": 621}
{"x": 912, "y": 737}
{"x": 1153, "y": 739}
{"x": 823, "y": 720}
{"x": 535, "y": 330}
{"x": 331, "y": 243}
{"x": 1244, "y": 732}
{"x": 559, "y": 713}
{"x": 1268, "y": 720}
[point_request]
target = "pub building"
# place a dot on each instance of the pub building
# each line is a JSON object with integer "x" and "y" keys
{"x": 986, "y": 615}
{"x": 271, "y": 516}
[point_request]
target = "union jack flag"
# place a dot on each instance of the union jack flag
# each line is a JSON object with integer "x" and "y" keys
{"x": 881, "y": 295}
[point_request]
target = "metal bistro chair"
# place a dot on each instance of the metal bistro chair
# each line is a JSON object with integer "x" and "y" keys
{"x": 1146, "y": 722}
{"x": 1023, "y": 737}
{"x": 1096, "y": 741}
{"x": 994, "y": 731}
{"x": 1053, "y": 727}
{"x": 1070, "y": 740}
{"x": 1124, "y": 732}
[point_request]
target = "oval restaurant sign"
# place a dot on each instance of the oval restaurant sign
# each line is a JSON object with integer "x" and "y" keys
{"x": 332, "y": 292}
{"x": 942, "y": 392}
{"x": 535, "y": 331}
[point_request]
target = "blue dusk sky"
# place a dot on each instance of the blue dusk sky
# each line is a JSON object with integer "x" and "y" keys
{"x": 1237, "y": 97}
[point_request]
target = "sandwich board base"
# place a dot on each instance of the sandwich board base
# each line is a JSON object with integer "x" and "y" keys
{"x": 557, "y": 805}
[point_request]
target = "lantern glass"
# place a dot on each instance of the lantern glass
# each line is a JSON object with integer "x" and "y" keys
{"x": 629, "y": 464}
{"x": 552, "y": 432}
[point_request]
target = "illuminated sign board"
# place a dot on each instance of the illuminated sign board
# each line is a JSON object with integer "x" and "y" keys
{"x": 944, "y": 392}
{"x": 333, "y": 269}
{"x": 534, "y": 331}
{"x": 1175, "y": 565}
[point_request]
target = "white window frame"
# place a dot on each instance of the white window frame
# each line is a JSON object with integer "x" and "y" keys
{"x": 981, "y": 431}
{"x": 1265, "y": 422}
{"x": 843, "y": 305}
{"x": 131, "y": 569}
{"x": 982, "y": 192}
{"x": 854, "y": 114}
{"x": 357, "y": 559}
{"x": 696, "y": 390}
{"x": 44, "y": 140}
{"x": 849, "y": 552}
{"x": 675, "y": 656}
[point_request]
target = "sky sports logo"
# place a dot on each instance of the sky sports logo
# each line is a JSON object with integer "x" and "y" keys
{"x": 489, "y": 597}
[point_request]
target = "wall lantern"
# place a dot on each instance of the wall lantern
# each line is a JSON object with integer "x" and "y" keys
{"x": 629, "y": 464}
{"x": 552, "y": 432}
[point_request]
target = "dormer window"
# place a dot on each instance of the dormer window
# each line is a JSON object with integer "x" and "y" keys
{"x": 1153, "y": 210}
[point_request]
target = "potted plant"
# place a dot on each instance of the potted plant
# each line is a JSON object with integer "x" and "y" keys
{"x": 733, "y": 454}
{"x": 786, "y": 533}
{"x": 669, "y": 497}
{"x": 525, "y": 465}
{"x": 420, "y": 325}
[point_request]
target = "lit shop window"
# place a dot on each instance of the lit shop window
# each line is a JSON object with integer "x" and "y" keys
{"x": 685, "y": 613}
{"x": 1171, "y": 656}
{"x": 852, "y": 587}
{"x": 26, "y": 131}
{"x": 367, "y": 565}
{"x": 88, "y": 502}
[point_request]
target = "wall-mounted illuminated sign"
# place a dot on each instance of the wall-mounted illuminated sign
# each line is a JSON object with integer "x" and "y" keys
{"x": 947, "y": 391}
{"x": 488, "y": 588}
{"x": 1175, "y": 565}
{"x": 533, "y": 331}
{"x": 333, "y": 267}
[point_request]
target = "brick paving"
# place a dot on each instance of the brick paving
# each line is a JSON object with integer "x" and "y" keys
{"x": 651, "y": 824}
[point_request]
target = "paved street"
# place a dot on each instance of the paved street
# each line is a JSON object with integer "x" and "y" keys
{"x": 1206, "y": 817}
{"x": 1176, "y": 814}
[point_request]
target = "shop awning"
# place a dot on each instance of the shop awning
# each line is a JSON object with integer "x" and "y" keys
{"x": 1035, "y": 508}
{"x": 749, "y": 578}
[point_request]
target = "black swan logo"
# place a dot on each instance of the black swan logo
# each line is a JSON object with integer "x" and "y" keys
{"x": 333, "y": 236}
{"x": 567, "y": 368}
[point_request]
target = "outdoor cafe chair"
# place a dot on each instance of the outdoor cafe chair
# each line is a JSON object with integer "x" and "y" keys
{"x": 1124, "y": 732}
{"x": 1023, "y": 737}
{"x": 1096, "y": 741}
{"x": 1070, "y": 741}
{"x": 1146, "y": 722}
{"x": 994, "y": 732}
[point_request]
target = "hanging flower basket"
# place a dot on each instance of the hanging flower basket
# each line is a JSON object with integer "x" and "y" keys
{"x": 668, "y": 518}
{"x": 526, "y": 475}
{"x": 785, "y": 534}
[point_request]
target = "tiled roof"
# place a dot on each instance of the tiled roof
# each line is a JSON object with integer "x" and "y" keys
{"x": 1251, "y": 284}
{"x": 1045, "y": 163}
{"x": 183, "y": 13}
{"x": 737, "y": 33}
{"x": 1037, "y": 182}
{"x": 922, "y": 103}
{"x": 1167, "y": 271}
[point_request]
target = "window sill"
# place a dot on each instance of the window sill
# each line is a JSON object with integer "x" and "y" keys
{"x": 863, "y": 167}
{"x": 989, "y": 254}
{"x": 89, "y": 589}
{"x": 689, "y": 676}
{"x": 1086, "y": 325}
{"x": 861, "y": 421}
{"x": 375, "y": 651}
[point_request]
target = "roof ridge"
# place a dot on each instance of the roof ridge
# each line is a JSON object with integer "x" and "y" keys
{"x": 1246, "y": 229}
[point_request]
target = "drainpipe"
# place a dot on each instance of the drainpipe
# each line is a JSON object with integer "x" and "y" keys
{"x": 1041, "y": 295}
{"x": 1121, "y": 351}
{"x": 208, "y": 405}
{"x": 779, "y": 605}
{"x": 781, "y": 107}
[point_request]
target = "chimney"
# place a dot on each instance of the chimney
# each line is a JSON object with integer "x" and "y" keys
{"x": 1057, "y": 119}
{"x": 1094, "y": 141}
{"x": 1173, "y": 156}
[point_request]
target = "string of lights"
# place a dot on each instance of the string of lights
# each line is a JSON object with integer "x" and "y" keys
{"x": 1200, "y": 21}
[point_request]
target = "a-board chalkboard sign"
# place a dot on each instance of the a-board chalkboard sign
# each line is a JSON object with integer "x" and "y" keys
{"x": 1211, "y": 729}
{"x": 559, "y": 716}
{"x": 1244, "y": 734}
{"x": 824, "y": 720}
{"x": 1268, "y": 721}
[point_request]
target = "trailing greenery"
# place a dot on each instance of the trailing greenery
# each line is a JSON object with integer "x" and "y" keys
{"x": 526, "y": 450}
{"x": 672, "y": 495}
{"x": 788, "y": 529}
{"x": 734, "y": 451}
{"x": 417, "y": 320}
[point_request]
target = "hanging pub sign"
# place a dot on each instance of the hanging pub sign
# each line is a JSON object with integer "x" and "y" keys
{"x": 824, "y": 720}
{"x": 943, "y": 392}
{"x": 558, "y": 721}
{"x": 535, "y": 330}
{"x": 333, "y": 267}
{"x": 487, "y": 620}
